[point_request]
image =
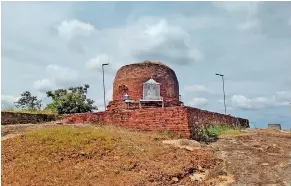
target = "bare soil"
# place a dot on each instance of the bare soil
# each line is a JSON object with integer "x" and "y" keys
{"x": 255, "y": 157}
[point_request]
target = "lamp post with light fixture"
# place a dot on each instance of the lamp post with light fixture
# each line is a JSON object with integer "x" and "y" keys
{"x": 222, "y": 76}
{"x": 104, "y": 83}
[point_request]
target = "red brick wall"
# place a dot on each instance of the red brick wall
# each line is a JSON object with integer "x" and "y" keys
{"x": 152, "y": 119}
{"x": 186, "y": 121}
{"x": 95, "y": 117}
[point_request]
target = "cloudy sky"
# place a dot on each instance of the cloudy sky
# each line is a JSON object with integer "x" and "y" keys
{"x": 49, "y": 45}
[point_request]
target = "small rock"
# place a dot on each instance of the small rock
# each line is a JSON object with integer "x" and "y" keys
{"x": 82, "y": 153}
{"x": 175, "y": 179}
{"x": 198, "y": 176}
{"x": 74, "y": 155}
{"x": 200, "y": 168}
{"x": 265, "y": 164}
{"x": 116, "y": 157}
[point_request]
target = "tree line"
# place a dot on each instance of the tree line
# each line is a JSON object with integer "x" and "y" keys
{"x": 64, "y": 101}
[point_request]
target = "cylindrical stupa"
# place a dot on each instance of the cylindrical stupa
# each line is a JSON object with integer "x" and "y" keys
{"x": 129, "y": 80}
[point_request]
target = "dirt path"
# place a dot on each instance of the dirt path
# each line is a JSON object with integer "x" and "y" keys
{"x": 257, "y": 157}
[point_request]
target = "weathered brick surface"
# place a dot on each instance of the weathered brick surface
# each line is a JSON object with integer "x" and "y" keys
{"x": 198, "y": 118}
{"x": 95, "y": 117}
{"x": 185, "y": 121}
{"x": 23, "y": 118}
{"x": 130, "y": 78}
{"x": 152, "y": 119}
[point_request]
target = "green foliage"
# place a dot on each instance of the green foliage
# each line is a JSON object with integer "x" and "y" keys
{"x": 28, "y": 102}
{"x": 73, "y": 100}
{"x": 217, "y": 130}
{"x": 213, "y": 131}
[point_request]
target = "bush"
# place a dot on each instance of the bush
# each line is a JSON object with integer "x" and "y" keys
{"x": 210, "y": 132}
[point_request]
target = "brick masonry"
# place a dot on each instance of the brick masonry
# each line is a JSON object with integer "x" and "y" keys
{"x": 186, "y": 121}
{"x": 24, "y": 118}
{"x": 130, "y": 78}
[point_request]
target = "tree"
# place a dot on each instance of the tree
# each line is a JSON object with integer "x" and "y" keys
{"x": 27, "y": 101}
{"x": 72, "y": 100}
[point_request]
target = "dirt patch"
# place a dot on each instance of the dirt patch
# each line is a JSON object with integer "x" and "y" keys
{"x": 257, "y": 157}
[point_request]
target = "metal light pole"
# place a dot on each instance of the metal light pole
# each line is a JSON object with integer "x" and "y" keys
{"x": 222, "y": 76}
{"x": 104, "y": 84}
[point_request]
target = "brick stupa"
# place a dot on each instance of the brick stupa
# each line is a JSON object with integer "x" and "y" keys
{"x": 130, "y": 78}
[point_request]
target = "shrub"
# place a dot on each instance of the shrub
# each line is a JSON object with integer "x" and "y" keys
{"x": 210, "y": 132}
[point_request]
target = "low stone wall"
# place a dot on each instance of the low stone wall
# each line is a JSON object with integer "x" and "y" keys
{"x": 24, "y": 118}
{"x": 186, "y": 121}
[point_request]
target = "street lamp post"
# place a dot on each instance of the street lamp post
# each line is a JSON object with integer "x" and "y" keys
{"x": 104, "y": 83}
{"x": 222, "y": 76}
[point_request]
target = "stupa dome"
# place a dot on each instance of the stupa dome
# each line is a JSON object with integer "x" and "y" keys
{"x": 130, "y": 78}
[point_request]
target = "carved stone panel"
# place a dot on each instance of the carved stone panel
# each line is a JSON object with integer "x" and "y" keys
{"x": 151, "y": 92}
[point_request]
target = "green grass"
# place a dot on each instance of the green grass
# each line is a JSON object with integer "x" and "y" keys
{"x": 218, "y": 130}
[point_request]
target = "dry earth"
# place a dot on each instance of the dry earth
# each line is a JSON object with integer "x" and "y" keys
{"x": 255, "y": 157}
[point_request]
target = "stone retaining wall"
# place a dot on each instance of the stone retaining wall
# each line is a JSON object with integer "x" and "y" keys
{"x": 24, "y": 118}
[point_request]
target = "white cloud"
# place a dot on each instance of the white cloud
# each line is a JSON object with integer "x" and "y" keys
{"x": 7, "y": 101}
{"x": 44, "y": 85}
{"x": 158, "y": 39}
{"x": 57, "y": 77}
{"x": 237, "y": 7}
{"x": 74, "y": 28}
{"x": 96, "y": 63}
{"x": 247, "y": 10}
{"x": 196, "y": 88}
{"x": 248, "y": 25}
{"x": 62, "y": 74}
{"x": 283, "y": 95}
{"x": 243, "y": 102}
{"x": 282, "y": 98}
{"x": 199, "y": 102}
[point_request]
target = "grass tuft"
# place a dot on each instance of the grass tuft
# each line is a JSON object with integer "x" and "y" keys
{"x": 218, "y": 130}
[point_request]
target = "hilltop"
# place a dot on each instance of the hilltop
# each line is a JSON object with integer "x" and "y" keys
{"x": 50, "y": 154}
